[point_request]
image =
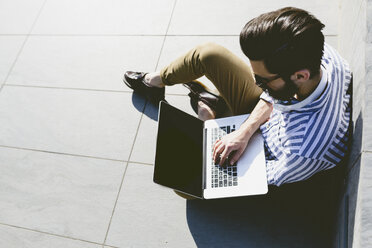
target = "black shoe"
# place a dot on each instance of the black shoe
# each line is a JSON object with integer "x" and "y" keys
{"x": 198, "y": 92}
{"x": 135, "y": 81}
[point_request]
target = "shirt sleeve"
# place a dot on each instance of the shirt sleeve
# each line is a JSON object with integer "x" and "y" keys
{"x": 266, "y": 97}
{"x": 292, "y": 168}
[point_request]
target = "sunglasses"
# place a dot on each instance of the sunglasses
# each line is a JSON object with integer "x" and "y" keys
{"x": 262, "y": 82}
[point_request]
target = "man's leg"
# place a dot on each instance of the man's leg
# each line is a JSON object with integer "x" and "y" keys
{"x": 231, "y": 76}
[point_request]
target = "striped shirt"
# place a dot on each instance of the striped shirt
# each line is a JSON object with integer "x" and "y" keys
{"x": 305, "y": 137}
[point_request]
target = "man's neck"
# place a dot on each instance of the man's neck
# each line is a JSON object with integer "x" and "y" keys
{"x": 308, "y": 87}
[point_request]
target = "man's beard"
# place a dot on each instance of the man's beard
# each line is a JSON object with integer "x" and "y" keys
{"x": 285, "y": 93}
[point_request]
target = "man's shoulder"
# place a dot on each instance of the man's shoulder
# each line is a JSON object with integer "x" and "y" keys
{"x": 332, "y": 59}
{"x": 337, "y": 68}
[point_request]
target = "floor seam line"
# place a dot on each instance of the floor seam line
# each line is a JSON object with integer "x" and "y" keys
{"x": 65, "y": 88}
{"x": 141, "y": 163}
{"x": 22, "y": 46}
{"x": 124, "y": 173}
{"x": 51, "y": 234}
{"x": 165, "y": 36}
{"x": 62, "y": 153}
{"x": 82, "y": 89}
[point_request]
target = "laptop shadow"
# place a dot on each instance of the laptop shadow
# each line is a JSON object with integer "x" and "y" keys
{"x": 297, "y": 215}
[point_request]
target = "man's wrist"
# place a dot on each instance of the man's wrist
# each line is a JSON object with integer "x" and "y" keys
{"x": 259, "y": 116}
{"x": 249, "y": 128}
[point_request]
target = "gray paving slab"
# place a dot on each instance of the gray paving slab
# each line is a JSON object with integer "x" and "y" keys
{"x": 367, "y": 115}
{"x": 351, "y": 12}
{"x": 17, "y": 16}
{"x": 12, "y": 237}
{"x": 104, "y": 17}
{"x": 58, "y": 194}
{"x": 357, "y": 53}
{"x": 223, "y": 17}
{"x": 89, "y": 123}
{"x": 94, "y": 62}
{"x": 349, "y": 205}
{"x": 9, "y": 48}
{"x": 148, "y": 215}
{"x": 365, "y": 199}
{"x": 368, "y": 6}
{"x": 145, "y": 144}
{"x": 356, "y": 32}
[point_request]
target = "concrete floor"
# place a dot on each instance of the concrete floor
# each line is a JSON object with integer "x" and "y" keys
{"x": 77, "y": 147}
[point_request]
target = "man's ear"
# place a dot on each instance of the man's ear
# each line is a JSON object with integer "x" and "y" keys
{"x": 301, "y": 75}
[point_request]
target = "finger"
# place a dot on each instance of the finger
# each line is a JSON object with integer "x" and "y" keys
{"x": 216, "y": 145}
{"x": 235, "y": 157}
{"x": 217, "y": 154}
{"x": 224, "y": 155}
{"x": 217, "y": 142}
{"x": 217, "y": 149}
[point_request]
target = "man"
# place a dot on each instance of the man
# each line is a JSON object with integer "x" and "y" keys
{"x": 296, "y": 90}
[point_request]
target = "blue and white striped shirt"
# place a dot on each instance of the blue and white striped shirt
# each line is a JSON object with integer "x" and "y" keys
{"x": 309, "y": 136}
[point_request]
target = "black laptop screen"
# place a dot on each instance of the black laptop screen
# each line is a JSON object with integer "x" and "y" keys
{"x": 179, "y": 151}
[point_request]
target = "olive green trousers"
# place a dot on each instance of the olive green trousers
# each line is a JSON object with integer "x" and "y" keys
{"x": 232, "y": 77}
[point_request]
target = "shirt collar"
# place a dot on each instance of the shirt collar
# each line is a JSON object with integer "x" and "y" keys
{"x": 313, "y": 96}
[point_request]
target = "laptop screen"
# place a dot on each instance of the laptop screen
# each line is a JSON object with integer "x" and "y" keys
{"x": 179, "y": 151}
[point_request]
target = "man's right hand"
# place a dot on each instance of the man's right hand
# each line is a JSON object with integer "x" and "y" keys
{"x": 230, "y": 147}
{"x": 235, "y": 142}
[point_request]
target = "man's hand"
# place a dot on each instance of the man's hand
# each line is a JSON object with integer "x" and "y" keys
{"x": 233, "y": 144}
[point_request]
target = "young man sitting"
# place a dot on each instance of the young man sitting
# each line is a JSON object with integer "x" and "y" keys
{"x": 296, "y": 89}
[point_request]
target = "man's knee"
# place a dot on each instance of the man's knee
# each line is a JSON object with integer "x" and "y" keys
{"x": 210, "y": 52}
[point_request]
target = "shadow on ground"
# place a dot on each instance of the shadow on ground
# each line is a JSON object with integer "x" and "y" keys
{"x": 301, "y": 214}
{"x": 294, "y": 215}
{"x": 150, "y": 109}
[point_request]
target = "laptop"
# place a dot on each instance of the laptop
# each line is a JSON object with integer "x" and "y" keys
{"x": 184, "y": 161}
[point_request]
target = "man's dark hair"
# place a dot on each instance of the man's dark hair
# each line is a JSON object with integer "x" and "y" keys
{"x": 287, "y": 40}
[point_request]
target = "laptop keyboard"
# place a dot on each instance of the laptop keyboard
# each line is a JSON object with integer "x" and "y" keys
{"x": 225, "y": 175}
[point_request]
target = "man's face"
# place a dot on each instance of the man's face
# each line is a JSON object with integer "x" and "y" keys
{"x": 277, "y": 87}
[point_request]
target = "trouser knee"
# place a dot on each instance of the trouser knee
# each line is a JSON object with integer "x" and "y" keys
{"x": 210, "y": 52}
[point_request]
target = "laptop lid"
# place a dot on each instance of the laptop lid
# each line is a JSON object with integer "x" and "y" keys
{"x": 179, "y": 151}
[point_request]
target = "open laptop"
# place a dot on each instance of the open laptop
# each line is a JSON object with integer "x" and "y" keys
{"x": 184, "y": 160}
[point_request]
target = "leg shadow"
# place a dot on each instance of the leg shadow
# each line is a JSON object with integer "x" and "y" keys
{"x": 148, "y": 108}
